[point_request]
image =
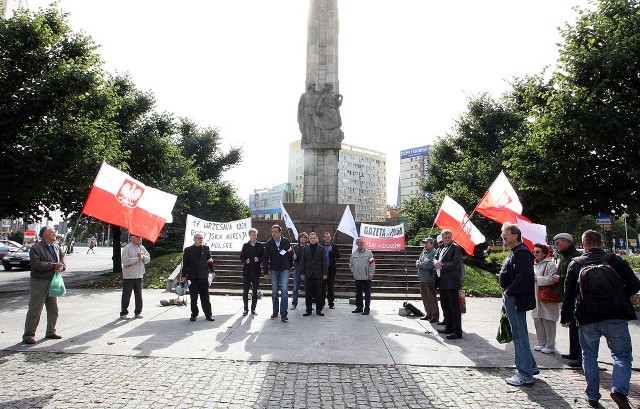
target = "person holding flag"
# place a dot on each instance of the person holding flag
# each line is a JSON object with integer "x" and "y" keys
{"x": 450, "y": 266}
{"x": 363, "y": 266}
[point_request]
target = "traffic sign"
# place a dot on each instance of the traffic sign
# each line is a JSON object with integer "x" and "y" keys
{"x": 603, "y": 219}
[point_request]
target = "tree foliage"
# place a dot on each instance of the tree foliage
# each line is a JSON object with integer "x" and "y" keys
{"x": 569, "y": 144}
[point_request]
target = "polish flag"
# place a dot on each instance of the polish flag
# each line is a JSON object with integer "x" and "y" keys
{"x": 118, "y": 199}
{"x": 452, "y": 216}
{"x": 532, "y": 233}
{"x": 501, "y": 202}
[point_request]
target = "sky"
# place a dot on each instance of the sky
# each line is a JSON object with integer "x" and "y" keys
{"x": 406, "y": 67}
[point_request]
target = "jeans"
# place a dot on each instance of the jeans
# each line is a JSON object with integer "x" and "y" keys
{"x": 296, "y": 287}
{"x": 616, "y": 332}
{"x": 280, "y": 280}
{"x": 525, "y": 363}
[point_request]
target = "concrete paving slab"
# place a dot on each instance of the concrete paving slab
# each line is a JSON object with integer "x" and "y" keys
{"x": 89, "y": 321}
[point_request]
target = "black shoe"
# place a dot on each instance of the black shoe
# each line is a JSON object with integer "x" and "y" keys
{"x": 333, "y": 307}
{"x": 621, "y": 400}
{"x": 536, "y": 372}
{"x": 365, "y": 312}
{"x": 274, "y": 315}
{"x": 320, "y": 313}
{"x": 575, "y": 364}
{"x": 593, "y": 403}
{"x": 454, "y": 336}
{"x": 245, "y": 313}
{"x": 356, "y": 311}
{"x": 425, "y": 318}
{"x": 443, "y": 323}
{"x": 193, "y": 318}
{"x": 254, "y": 312}
{"x": 209, "y": 318}
{"x": 433, "y": 320}
{"x": 445, "y": 330}
{"x": 571, "y": 357}
{"x": 306, "y": 314}
{"x": 284, "y": 318}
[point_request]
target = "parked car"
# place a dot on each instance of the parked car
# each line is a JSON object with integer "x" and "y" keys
{"x": 17, "y": 259}
{"x": 8, "y": 246}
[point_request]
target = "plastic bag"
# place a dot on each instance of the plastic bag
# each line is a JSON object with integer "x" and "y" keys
{"x": 56, "y": 288}
{"x": 504, "y": 329}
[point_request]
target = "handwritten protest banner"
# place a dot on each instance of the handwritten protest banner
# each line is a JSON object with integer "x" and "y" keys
{"x": 383, "y": 238}
{"x": 228, "y": 236}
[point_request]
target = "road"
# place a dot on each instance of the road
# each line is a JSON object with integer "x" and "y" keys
{"x": 81, "y": 267}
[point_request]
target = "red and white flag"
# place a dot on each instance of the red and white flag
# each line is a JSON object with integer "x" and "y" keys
{"x": 118, "y": 199}
{"x": 501, "y": 202}
{"x": 452, "y": 216}
{"x": 532, "y": 233}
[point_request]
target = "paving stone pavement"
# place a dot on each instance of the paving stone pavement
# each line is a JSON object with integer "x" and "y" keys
{"x": 342, "y": 360}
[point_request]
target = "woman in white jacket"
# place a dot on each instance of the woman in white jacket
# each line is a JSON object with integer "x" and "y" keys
{"x": 546, "y": 314}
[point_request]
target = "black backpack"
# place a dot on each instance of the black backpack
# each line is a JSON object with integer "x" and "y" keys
{"x": 601, "y": 288}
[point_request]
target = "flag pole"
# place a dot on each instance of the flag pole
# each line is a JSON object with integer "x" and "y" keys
{"x": 64, "y": 245}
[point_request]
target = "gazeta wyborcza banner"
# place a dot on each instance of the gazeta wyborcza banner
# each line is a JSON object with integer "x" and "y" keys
{"x": 382, "y": 238}
{"x": 226, "y": 236}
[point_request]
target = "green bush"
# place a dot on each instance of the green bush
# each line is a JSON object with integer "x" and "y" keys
{"x": 633, "y": 261}
{"x": 480, "y": 283}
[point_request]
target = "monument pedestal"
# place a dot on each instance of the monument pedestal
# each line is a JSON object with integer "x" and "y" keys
{"x": 320, "y": 176}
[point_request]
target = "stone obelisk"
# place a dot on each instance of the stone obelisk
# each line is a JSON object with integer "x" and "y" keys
{"x": 319, "y": 107}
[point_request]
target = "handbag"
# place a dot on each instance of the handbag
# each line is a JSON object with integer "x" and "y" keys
{"x": 56, "y": 288}
{"x": 549, "y": 294}
{"x": 504, "y": 329}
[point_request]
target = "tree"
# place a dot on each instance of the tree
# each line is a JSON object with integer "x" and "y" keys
{"x": 55, "y": 115}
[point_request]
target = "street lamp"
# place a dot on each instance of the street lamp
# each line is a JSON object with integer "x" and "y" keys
{"x": 626, "y": 236}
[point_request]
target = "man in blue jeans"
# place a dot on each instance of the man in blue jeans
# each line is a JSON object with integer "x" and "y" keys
{"x": 605, "y": 312}
{"x": 277, "y": 263}
{"x": 518, "y": 294}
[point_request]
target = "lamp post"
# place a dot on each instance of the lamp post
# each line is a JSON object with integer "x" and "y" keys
{"x": 626, "y": 236}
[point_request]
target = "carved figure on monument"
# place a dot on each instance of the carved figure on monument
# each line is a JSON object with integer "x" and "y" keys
{"x": 329, "y": 118}
{"x": 307, "y": 118}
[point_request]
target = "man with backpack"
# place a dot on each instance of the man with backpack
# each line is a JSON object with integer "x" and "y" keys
{"x": 602, "y": 284}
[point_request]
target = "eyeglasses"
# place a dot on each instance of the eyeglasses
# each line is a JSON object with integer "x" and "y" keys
{"x": 536, "y": 251}
{"x": 198, "y": 238}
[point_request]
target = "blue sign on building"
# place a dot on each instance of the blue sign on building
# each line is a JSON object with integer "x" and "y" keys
{"x": 419, "y": 151}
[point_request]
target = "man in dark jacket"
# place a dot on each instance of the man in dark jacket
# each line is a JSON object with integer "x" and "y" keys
{"x": 567, "y": 251}
{"x": 450, "y": 265}
{"x": 313, "y": 269}
{"x": 592, "y": 325}
{"x": 196, "y": 266}
{"x": 277, "y": 263}
{"x": 251, "y": 255}
{"x": 46, "y": 260}
{"x": 333, "y": 253}
{"x": 518, "y": 295}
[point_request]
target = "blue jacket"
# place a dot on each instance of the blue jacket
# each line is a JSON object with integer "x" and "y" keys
{"x": 517, "y": 278}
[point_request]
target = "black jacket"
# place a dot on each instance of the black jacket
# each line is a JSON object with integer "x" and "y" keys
{"x": 517, "y": 278}
{"x": 248, "y": 252}
{"x": 275, "y": 261}
{"x": 572, "y": 290}
{"x": 313, "y": 263}
{"x": 194, "y": 262}
{"x": 334, "y": 254}
{"x": 451, "y": 271}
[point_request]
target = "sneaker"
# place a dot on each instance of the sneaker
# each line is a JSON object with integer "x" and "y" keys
{"x": 293, "y": 307}
{"x": 284, "y": 318}
{"x": 274, "y": 315}
{"x": 515, "y": 380}
{"x": 124, "y": 317}
{"x": 245, "y": 313}
{"x": 593, "y": 403}
{"x": 138, "y": 316}
{"x": 621, "y": 400}
{"x": 538, "y": 347}
{"x": 547, "y": 351}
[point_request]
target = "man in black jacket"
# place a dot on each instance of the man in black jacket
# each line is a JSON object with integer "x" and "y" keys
{"x": 251, "y": 255}
{"x": 450, "y": 265}
{"x": 517, "y": 280}
{"x": 313, "y": 269}
{"x": 333, "y": 253}
{"x": 592, "y": 325}
{"x": 277, "y": 263}
{"x": 196, "y": 266}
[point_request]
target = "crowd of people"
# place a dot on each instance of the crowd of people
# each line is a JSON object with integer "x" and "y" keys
{"x": 588, "y": 293}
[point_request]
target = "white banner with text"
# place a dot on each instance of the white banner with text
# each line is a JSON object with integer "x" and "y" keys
{"x": 227, "y": 236}
{"x": 383, "y": 238}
